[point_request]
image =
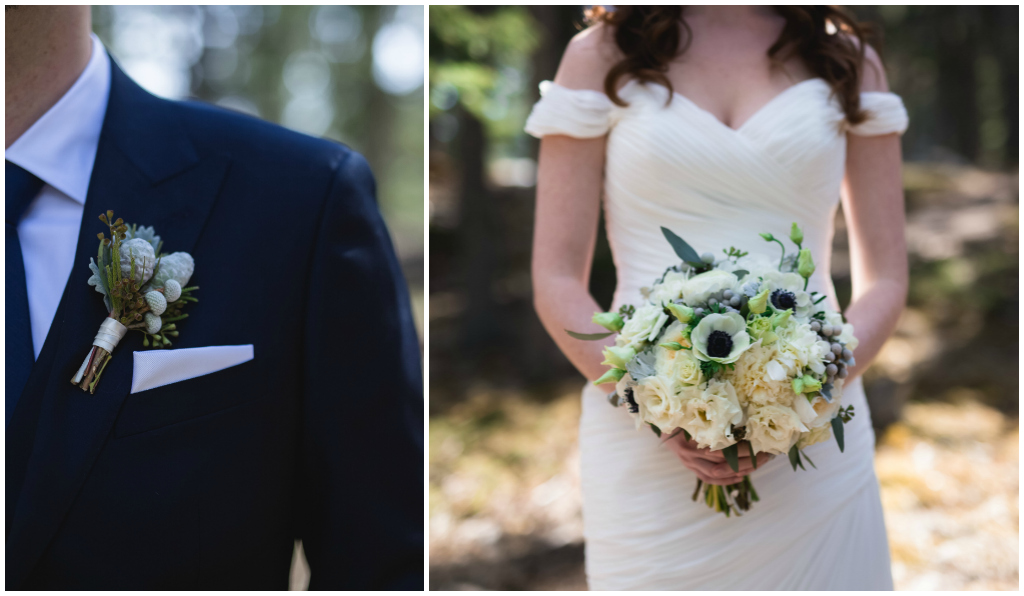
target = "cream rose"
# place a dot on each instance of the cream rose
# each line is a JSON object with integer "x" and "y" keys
{"x": 669, "y": 289}
{"x": 774, "y": 429}
{"x": 661, "y": 402}
{"x": 815, "y": 436}
{"x": 700, "y": 287}
{"x": 678, "y": 365}
{"x": 817, "y": 411}
{"x": 645, "y": 322}
{"x": 709, "y": 418}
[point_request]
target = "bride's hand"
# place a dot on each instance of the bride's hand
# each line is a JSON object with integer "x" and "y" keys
{"x": 710, "y": 466}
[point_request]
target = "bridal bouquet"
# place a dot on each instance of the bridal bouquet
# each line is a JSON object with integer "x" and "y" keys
{"x": 143, "y": 290}
{"x": 733, "y": 349}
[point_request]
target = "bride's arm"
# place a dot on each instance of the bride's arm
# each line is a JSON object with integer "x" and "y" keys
{"x": 569, "y": 186}
{"x": 872, "y": 198}
{"x": 570, "y": 181}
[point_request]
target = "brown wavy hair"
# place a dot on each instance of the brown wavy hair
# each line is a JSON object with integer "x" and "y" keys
{"x": 650, "y": 37}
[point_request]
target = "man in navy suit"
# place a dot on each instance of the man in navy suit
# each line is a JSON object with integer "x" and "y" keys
{"x": 207, "y": 482}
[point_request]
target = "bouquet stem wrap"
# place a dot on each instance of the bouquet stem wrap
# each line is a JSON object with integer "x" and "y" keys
{"x": 107, "y": 338}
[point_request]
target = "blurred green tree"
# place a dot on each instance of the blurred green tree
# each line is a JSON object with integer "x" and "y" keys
{"x": 353, "y": 74}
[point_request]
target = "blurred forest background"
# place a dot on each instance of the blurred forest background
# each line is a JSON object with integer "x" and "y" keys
{"x": 504, "y": 403}
{"x": 352, "y": 74}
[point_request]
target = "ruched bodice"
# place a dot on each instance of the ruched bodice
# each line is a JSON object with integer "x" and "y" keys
{"x": 671, "y": 163}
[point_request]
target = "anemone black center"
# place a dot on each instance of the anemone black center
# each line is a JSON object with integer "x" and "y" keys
{"x": 783, "y": 300}
{"x": 634, "y": 408}
{"x": 719, "y": 344}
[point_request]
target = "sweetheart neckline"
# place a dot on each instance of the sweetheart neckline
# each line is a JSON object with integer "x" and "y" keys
{"x": 749, "y": 119}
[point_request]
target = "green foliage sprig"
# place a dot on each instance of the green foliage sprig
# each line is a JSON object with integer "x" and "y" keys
{"x": 126, "y": 303}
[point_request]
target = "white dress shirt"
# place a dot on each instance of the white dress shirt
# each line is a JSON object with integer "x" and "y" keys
{"x": 60, "y": 148}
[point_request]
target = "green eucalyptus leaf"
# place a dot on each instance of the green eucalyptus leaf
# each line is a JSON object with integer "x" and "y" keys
{"x": 732, "y": 456}
{"x": 657, "y": 431}
{"x": 794, "y": 457}
{"x": 739, "y": 273}
{"x": 683, "y": 250}
{"x": 837, "y": 430}
{"x": 588, "y": 336}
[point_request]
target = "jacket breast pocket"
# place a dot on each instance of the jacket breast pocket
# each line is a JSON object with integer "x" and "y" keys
{"x": 172, "y": 386}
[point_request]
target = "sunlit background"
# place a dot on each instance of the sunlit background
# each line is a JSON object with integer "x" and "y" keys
{"x": 353, "y": 74}
{"x": 504, "y": 402}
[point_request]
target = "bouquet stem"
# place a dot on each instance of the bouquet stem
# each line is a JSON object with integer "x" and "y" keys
{"x": 729, "y": 499}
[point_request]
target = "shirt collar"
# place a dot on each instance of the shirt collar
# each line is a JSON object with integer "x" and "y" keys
{"x": 60, "y": 147}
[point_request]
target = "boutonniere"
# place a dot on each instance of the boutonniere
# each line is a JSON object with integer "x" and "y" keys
{"x": 143, "y": 290}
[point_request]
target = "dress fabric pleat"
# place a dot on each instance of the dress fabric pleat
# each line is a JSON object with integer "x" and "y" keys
{"x": 670, "y": 163}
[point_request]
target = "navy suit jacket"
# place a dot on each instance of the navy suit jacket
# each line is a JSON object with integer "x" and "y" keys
{"x": 206, "y": 483}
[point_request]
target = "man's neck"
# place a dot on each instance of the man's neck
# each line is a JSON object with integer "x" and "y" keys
{"x": 46, "y": 49}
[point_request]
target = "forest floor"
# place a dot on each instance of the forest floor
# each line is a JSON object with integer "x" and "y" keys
{"x": 505, "y": 502}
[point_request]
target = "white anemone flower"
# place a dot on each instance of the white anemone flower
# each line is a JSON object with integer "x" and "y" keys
{"x": 720, "y": 338}
{"x": 786, "y": 292}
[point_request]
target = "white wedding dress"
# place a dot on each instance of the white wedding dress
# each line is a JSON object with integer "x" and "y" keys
{"x": 678, "y": 166}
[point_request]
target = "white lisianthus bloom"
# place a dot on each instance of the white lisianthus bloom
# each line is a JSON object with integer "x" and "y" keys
{"x": 709, "y": 418}
{"x": 815, "y": 436}
{"x": 800, "y": 347}
{"x": 786, "y": 292}
{"x": 647, "y": 320}
{"x": 774, "y": 429}
{"x": 661, "y": 402}
{"x": 815, "y": 412}
{"x": 721, "y": 338}
{"x": 678, "y": 365}
{"x": 700, "y": 287}
{"x": 669, "y": 289}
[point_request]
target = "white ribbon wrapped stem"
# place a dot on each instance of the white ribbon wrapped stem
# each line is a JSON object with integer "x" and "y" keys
{"x": 109, "y": 335}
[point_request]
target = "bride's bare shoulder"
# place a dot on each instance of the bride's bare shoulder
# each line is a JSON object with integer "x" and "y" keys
{"x": 588, "y": 58}
{"x": 873, "y": 77}
{"x": 872, "y": 69}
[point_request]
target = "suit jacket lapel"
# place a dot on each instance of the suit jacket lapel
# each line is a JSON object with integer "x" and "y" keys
{"x": 148, "y": 172}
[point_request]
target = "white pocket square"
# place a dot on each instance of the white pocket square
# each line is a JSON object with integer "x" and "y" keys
{"x": 156, "y": 368}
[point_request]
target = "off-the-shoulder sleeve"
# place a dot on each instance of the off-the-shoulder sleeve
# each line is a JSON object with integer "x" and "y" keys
{"x": 579, "y": 113}
{"x": 886, "y": 114}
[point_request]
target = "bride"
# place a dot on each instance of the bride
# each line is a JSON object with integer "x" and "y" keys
{"x": 720, "y": 122}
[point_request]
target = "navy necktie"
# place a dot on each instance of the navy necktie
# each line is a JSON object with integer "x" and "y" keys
{"x": 21, "y": 188}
